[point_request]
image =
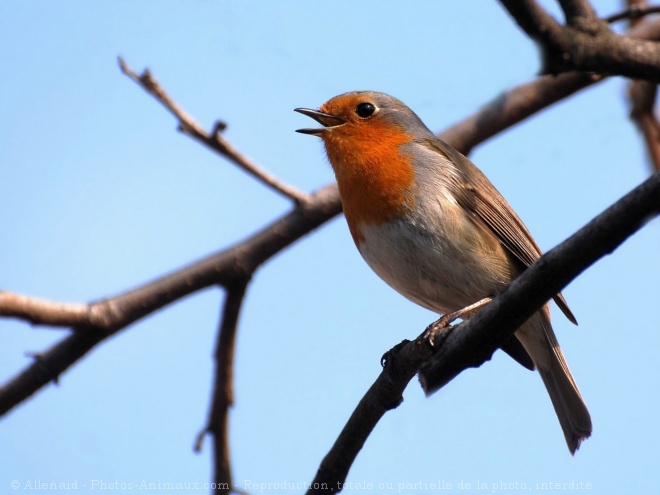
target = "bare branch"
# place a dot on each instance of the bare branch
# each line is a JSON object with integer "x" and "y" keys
{"x": 223, "y": 268}
{"x": 223, "y": 389}
{"x": 586, "y": 43}
{"x": 633, "y": 12}
{"x": 385, "y": 394}
{"x": 533, "y": 19}
{"x": 214, "y": 139}
{"x": 578, "y": 12}
{"x": 519, "y": 103}
{"x": 472, "y": 343}
{"x": 643, "y": 97}
{"x": 43, "y": 312}
{"x": 513, "y": 107}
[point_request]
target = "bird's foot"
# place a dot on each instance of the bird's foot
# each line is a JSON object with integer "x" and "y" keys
{"x": 444, "y": 321}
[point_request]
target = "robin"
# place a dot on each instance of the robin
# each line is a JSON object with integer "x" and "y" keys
{"x": 433, "y": 227}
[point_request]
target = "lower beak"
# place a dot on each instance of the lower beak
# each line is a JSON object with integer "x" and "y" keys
{"x": 325, "y": 119}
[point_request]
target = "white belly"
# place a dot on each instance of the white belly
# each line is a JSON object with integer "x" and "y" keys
{"x": 419, "y": 261}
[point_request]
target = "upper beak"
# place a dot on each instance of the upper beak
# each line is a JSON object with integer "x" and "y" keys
{"x": 325, "y": 119}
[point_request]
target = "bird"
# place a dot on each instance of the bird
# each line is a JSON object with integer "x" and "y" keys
{"x": 433, "y": 227}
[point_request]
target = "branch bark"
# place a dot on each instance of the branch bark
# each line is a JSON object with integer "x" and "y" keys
{"x": 516, "y": 105}
{"x": 223, "y": 389}
{"x": 107, "y": 317}
{"x": 643, "y": 96}
{"x": 585, "y": 43}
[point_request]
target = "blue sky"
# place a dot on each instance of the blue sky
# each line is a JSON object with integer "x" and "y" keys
{"x": 101, "y": 193}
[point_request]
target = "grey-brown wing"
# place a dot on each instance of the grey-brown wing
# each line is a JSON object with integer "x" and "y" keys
{"x": 476, "y": 194}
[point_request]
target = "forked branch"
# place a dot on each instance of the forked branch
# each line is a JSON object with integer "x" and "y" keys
{"x": 585, "y": 42}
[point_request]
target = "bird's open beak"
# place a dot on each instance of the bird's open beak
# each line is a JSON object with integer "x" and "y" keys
{"x": 325, "y": 119}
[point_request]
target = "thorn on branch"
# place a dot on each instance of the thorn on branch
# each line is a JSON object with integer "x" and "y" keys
{"x": 199, "y": 441}
{"x": 219, "y": 127}
{"x": 38, "y": 358}
{"x": 389, "y": 357}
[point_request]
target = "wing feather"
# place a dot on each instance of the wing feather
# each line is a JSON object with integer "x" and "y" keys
{"x": 477, "y": 195}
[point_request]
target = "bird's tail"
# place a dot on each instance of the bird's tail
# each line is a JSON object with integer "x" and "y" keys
{"x": 540, "y": 342}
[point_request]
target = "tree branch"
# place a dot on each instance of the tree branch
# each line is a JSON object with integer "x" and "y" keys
{"x": 42, "y": 312}
{"x": 223, "y": 389}
{"x": 523, "y": 101}
{"x": 633, "y": 12}
{"x": 483, "y": 333}
{"x": 108, "y": 316}
{"x": 473, "y": 342}
{"x": 214, "y": 139}
{"x": 578, "y": 11}
{"x": 643, "y": 97}
{"x": 586, "y": 43}
{"x": 513, "y": 107}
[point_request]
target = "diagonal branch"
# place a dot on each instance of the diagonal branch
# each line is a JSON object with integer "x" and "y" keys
{"x": 473, "y": 342}
{"x": 108, "y": 316}
{"x": 513, "y": 107}
{"x": 213, "y": 140}
{"x": 633, "y": 12}
{"x": 547, "y": 276}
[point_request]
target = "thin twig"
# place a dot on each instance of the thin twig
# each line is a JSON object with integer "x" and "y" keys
{"x": 214, "y": 139}
{"x": 42, "y": 312}
{"x": 633, "y": 13}
{"x": 643, "y": 97}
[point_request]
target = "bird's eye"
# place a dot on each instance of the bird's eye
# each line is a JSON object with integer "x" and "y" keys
{"x": 365, "y": 110}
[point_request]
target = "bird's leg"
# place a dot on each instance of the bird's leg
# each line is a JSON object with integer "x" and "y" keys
{"x": 468, "y": 311}
{"x": 445, "y": 320}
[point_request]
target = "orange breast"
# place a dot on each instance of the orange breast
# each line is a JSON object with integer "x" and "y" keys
{"x": 376, "y": 181}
